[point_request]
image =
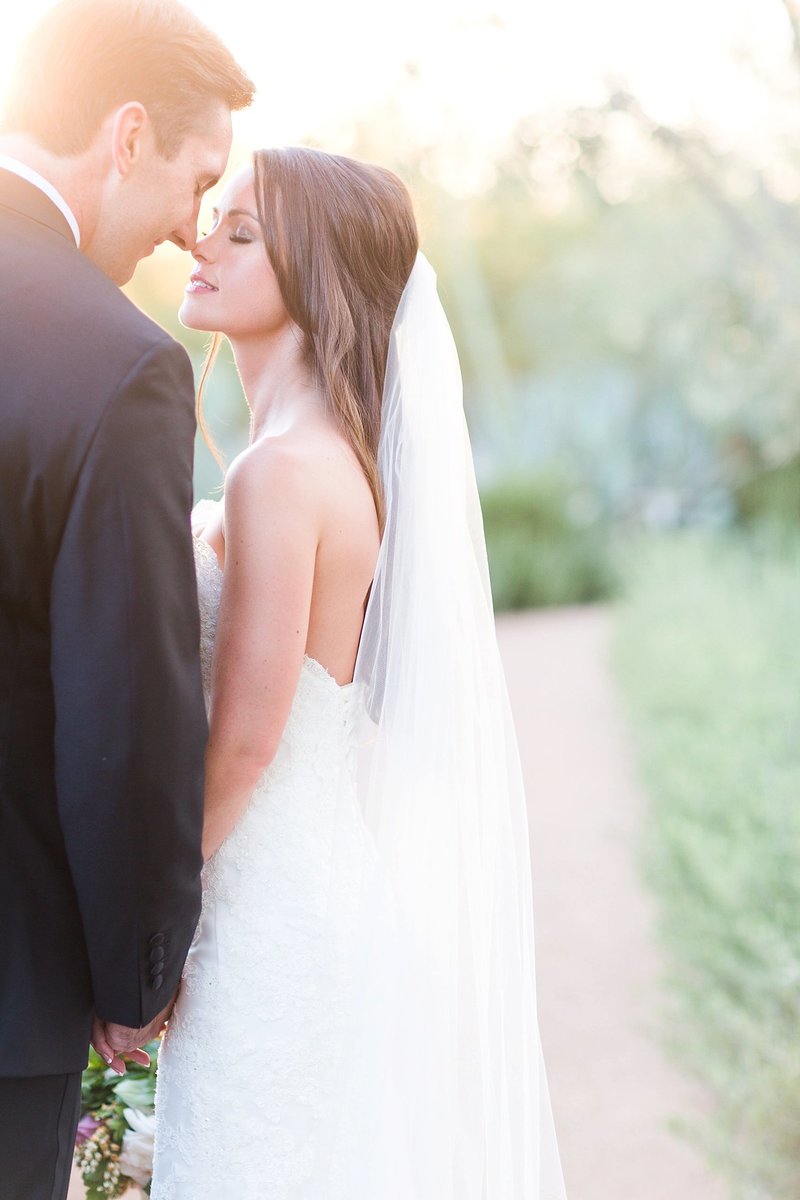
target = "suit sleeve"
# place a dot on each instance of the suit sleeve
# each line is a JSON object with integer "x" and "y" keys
{"x": 130, "y": 719}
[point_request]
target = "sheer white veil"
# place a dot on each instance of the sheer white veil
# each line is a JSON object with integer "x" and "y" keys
{"x": 447, "y": 966}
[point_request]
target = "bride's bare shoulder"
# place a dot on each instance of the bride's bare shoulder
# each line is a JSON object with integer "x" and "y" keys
{"x": 315, "y": 464}
{"x": 262, "y": 460}
{"x": 300, "y": 480}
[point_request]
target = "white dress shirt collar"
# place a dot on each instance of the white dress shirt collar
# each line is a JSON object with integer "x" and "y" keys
{"x": 25, "y": 172}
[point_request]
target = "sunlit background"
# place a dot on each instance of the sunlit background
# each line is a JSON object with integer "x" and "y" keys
{"x": 610, "y": 194}
{"x": 603, "y": 189}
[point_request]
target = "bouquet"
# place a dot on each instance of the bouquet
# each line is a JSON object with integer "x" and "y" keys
{"x": 114, "y": 1143}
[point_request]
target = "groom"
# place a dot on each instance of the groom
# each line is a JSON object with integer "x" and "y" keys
{"x": 118, "y": 121}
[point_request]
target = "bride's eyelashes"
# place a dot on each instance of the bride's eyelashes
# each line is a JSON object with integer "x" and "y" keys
{"x": 242, "y": 236}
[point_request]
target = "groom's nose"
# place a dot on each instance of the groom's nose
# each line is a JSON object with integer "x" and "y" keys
{"x": 185, "y": 235}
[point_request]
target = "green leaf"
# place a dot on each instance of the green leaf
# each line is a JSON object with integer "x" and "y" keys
{"x": 136, "y": 1093}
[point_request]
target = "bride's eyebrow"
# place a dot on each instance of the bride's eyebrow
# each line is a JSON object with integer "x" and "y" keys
{"x": 236, "y": 212}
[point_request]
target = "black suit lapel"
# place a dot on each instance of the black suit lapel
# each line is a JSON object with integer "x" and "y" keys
{"x": 29, "y": 201}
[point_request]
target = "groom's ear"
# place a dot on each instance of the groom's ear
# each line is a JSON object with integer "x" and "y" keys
{"x": 128, "y": 130}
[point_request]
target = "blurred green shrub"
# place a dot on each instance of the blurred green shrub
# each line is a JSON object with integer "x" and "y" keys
{"x": 539, "y": 555}
{"x": 771, "y": 494}
{"x": 706, "y": 651}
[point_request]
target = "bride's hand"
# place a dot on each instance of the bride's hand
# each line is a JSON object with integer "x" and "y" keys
{"x": 100, "y": 1039}
{"x": 202, "y": 513}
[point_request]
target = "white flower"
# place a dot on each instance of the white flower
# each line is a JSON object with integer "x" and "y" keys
{"x": 136, "y": 1156}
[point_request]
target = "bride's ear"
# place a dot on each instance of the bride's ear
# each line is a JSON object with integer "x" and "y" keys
{"x": 130, "y": 125}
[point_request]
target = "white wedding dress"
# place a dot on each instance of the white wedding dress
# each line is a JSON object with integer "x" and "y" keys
{"x": 251, "y": 1082}
{"x": 358, "y": 1013}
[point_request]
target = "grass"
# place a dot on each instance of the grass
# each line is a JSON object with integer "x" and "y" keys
{"x": 708, "y": 655}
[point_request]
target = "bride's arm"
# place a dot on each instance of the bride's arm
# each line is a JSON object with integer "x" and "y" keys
{"x": 272, "y": 525}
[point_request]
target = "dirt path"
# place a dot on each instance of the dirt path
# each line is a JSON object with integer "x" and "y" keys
{"x": 612, "y": 1092}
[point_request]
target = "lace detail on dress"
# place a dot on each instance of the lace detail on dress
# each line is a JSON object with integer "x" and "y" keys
{"x": 248, "y": 1066}
{"x": 209, "y": 592}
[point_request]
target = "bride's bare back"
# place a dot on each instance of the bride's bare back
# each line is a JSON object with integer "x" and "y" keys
{"x": 347, "y": 548}
{"x": 297, "y": 539}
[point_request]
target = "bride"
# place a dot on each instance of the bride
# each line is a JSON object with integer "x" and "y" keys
{"x": 357, "y": 1015}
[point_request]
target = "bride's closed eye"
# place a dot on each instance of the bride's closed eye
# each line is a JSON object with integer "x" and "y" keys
{"x": 241, "y": 235}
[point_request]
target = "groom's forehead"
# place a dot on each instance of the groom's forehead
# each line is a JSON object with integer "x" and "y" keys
{"x": 210, "y": 145}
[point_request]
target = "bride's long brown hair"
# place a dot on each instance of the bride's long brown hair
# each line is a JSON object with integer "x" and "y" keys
{"x": 342, "y": 240}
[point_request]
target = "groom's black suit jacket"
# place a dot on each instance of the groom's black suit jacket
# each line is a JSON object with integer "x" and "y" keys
{"x": 102, "y": 725}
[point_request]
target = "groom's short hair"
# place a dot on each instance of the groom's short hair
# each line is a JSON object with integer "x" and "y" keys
{"x": 87, "y": 57}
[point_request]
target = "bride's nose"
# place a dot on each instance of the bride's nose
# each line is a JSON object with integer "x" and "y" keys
{"x": 201, "y": 251}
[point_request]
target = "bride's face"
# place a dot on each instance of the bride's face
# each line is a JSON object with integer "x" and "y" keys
{"x": 233, "y": 289}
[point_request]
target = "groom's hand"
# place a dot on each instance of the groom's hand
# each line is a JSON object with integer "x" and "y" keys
{"x": 100, "y": 1039}
{"x": 113, "y": 1041}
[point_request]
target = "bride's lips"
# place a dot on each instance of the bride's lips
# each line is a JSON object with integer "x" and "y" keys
{"x": 198, "y": 284}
